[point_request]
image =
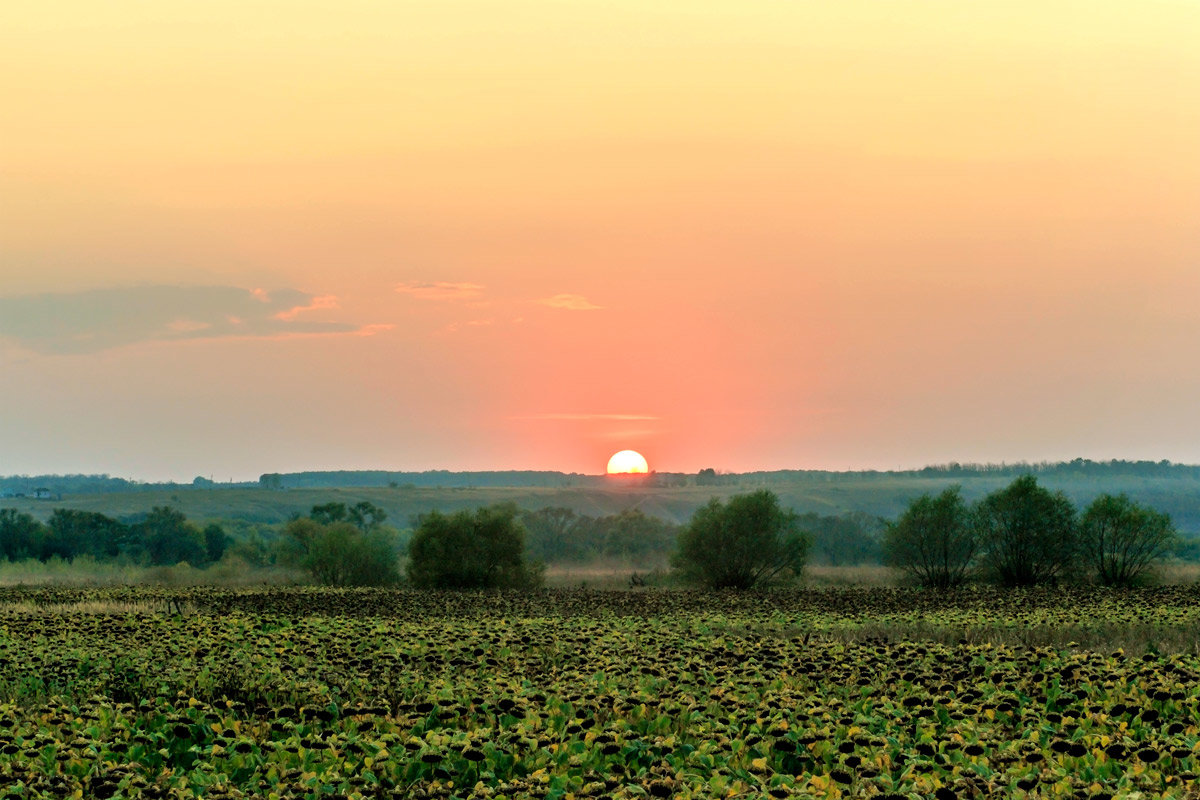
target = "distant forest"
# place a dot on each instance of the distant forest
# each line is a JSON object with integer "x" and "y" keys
{"x": 56, "y": 486}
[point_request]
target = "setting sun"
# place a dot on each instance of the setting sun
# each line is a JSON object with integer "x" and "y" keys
{"x": 627, "y": 462}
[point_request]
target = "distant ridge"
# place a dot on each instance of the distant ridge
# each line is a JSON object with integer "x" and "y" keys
{"x": 57, "y": 485}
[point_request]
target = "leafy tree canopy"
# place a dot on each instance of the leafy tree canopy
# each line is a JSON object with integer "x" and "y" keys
{"x": 484, "y": 549}
{"x": 742, "y": 543}
{"x": 934, "y": 540}
{"x": 1027, "y": 533}
{"x": 1121, "y": 540}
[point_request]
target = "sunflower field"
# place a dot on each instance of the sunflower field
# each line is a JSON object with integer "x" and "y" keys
{"x": 887, "y": 693}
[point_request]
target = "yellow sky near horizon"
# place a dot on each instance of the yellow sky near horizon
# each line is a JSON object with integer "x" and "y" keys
{"x": 810, "y": 234}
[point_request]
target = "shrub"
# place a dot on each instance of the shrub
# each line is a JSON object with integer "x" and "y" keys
{"x": 340, "y": 554}
{"x": 1121, "y": 539}
{"x": 741, "y": 544}
{"x": 484, "y": 549}
{"x": 21, "y": 536}
{"x": 934, "y": 541}
{"x": 168, "y": 538}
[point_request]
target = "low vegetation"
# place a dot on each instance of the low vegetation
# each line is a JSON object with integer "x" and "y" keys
{"x": 322, "y": 693}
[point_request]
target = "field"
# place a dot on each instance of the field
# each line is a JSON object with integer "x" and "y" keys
{"x": 306, "y": 693}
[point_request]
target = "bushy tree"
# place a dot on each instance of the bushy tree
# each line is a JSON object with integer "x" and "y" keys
{"x": 366, "y": 516}
{"x": 21, "y": 535}
{"x": 216, "y": 542}
{"x": 557, "y": 533}
{"x": 166, "y": 536}
{"x": 844, "y": 539}
{"x": 340, "y": 554}
{"x": 484, "y": 549}
{"x": 1027, "y": 533}
{"x": 328, "y": 513}
{"x": 934, "y": 541}
{"x": 1121, "y": 540}
{"x": 741, "y": 544}
{"x": 633, "y": 536}
{"x": 76, "y": 533}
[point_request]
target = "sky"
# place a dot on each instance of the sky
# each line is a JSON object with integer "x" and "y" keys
{"x": 239, "y": 238}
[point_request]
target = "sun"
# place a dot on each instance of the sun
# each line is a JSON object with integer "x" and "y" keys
{"x": 628, "y": 462}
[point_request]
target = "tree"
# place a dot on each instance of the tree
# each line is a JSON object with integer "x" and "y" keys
{"x": 21, "y": 536}
{"x": 77, "y": 533}
{"x": 168, "y": 538}
{"x": 845, "y": 539}
{"x": 934, "y": 541}
{"x": 633, "y": 536}
{"x": 298, "y": 536}
{"x": 328, "y": 513}
{"x": 366, "y": 516}
{"x": 1027, "y": 533}
{"x": 1121, "y": 539}
{"x": 556, "y": 533}
{"x": 340, "y": 554}
{"x": 216, "y": 542}
{"x": 741, "y": 544}
{"x": 480, "y": 550}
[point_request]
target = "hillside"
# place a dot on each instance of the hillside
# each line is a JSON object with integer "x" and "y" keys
{"x": 878, "y": 494}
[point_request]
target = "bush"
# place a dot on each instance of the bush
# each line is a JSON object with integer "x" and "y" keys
{"x": 340, "y": 554}
{"x": 848, "y": 539}
{"x": 21, "y": 536}
{"x": 1121, "y": 539}
{"x": 1027, "y": 533}
{"x": 484, "y": 549}
{"x": 741, "y": 544}
{"x": 934, "y": 541}
{"x": 168, "y": 538}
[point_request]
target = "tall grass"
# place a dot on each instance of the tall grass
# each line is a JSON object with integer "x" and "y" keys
{"x": 86, "y": 572}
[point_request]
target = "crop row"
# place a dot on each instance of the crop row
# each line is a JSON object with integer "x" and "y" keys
{"x": 116, "y": 694}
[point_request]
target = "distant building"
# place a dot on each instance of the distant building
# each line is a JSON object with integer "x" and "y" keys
{"x": 42, "y": 493}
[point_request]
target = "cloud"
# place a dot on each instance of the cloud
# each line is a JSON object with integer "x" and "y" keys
{"x": 570, "y": 302}
{"x": 183, "y": 325}
{"x": 585, "y": 417}
{"x": 317, "y": 304}
{"x": 102, "y": 319}
{"x": 440, "y": 290}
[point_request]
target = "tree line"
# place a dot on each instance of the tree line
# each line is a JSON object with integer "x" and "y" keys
{"x": 163, "y": 536}
{"x": 1022, "y": 535}
{"x": 1026, "y": 535}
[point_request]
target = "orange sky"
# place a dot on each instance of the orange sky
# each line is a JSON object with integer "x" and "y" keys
{"x": 492, "y": 235}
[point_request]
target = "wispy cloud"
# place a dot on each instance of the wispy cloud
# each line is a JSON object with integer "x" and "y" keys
{"x": 183, "y": 325}
{"x": 441, "y": 290}
{"x": 584, "y": 417}
{"x": 102, "y": 319}
{"x": 326, "y": 301}
{"x": 570, "y": 302}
